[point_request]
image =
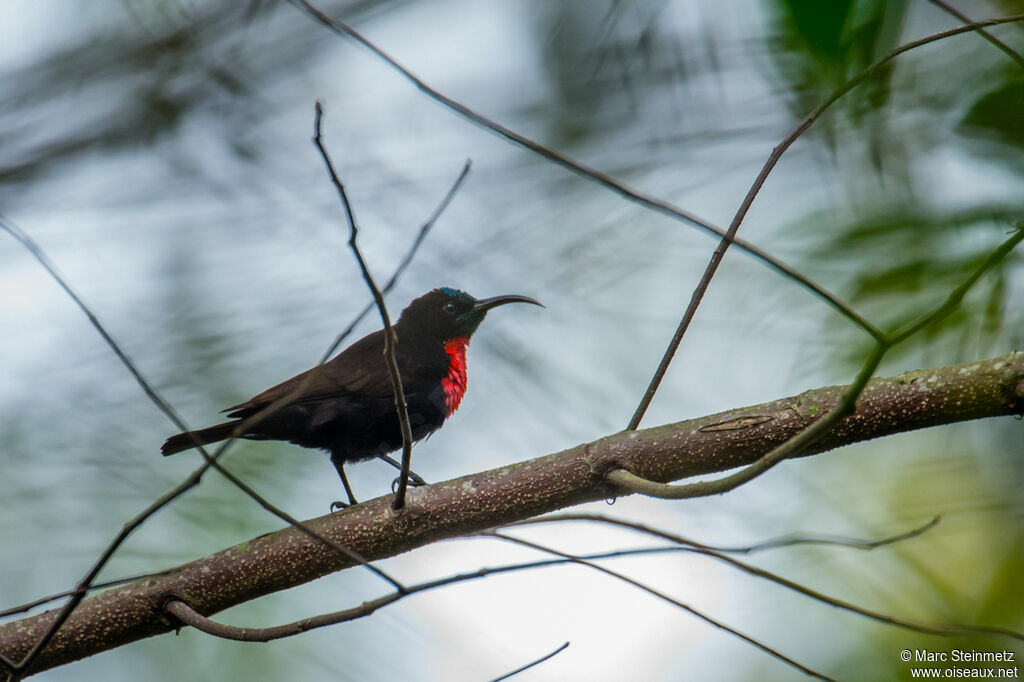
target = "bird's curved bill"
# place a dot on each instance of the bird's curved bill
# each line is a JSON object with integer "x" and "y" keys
{"x": 485, "y": 304}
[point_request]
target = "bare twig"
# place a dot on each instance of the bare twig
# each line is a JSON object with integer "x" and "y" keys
{"x": 661, "y": 595}
{"x": 945, "y": 629}
{"x": 28, "y": 606}
{"x": 532, "y": 663}
{"x": 765, "y": 545}
{"x": 420, "y": 236}
{"x": 956, "y": 297}
{"x": 790, "y": 540}
{"x": 774, "y": 543}
{"x": 190, "y": 616}
{"x": 390, "y": 341}
{"x": 1009, "y": 51}
{"x": 851, "y": 543}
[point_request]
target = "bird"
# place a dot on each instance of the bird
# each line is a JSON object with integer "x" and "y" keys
{"x": 346, "y": 406}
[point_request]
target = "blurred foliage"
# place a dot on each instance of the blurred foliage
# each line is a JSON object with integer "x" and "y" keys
{"x": 158, "y": 71}
{"x": 826, "y": 43}
{"x": 912, "y": 259}
{"x": 820, "y": 45}
{"x": 133, "y": 85}
{"x": 997, "y": 113}
{"x": 912, "y": 241}
{"x": 613, "y": 63}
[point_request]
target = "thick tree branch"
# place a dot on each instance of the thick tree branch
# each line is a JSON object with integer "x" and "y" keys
{"x": 290, "y": 557}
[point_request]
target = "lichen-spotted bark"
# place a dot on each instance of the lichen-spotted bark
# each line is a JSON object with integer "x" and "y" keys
{"x": 289, "y": 557}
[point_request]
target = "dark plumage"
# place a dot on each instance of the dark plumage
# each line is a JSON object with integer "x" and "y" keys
{"x": 346, "y": 406}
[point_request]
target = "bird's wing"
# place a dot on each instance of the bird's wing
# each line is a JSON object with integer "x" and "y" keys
{"x": 359, "y": 369}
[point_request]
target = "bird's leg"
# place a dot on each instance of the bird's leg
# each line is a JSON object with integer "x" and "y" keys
{"x": 414, "y": 478}
{"x": 338, "y": 504}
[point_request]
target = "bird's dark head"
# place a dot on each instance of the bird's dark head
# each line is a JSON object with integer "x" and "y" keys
{"x": 448, "y": 313}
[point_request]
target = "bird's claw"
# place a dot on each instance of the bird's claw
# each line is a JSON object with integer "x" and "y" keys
{"x": 414, "y": 482}
{"x": 338, "y": 505}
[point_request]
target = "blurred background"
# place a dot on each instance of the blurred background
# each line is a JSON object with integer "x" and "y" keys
{"x": 159, "y": 151}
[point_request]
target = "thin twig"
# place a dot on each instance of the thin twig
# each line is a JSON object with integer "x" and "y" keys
{"x": 956, "y": 297}
{"x": 765, "y": 545}
{"x": 945, "y": 629}
{"x": 851, "y": 543}
{"x": 532, "y": 663}
{"x": 420, "y": 236}
{"x": 390, "y": 341}
{"x": 190, "y": 616}
{"x": 24, "y": 608}
{"x": 661, "y": 595}
{"x": 1009, "y": 51}
{"x": 683, "y": 545}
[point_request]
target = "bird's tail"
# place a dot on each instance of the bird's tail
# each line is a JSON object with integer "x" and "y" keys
{"x": 191, "y": 439}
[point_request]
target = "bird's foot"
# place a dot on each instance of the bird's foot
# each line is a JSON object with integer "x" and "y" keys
{"x": 414, "y": 482}
{"x": 338, "y": 505}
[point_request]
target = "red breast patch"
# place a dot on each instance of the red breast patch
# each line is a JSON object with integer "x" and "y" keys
{"x": 454, "y": 384}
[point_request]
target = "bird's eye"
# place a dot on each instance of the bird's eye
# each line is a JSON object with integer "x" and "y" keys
{"x": 449, "y": 308}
